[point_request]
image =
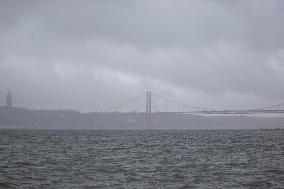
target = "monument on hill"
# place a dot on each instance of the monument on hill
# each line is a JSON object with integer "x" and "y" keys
{"x": 9, "y": 102}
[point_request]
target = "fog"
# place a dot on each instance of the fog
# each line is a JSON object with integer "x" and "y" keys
{"x": 89, "y": 55}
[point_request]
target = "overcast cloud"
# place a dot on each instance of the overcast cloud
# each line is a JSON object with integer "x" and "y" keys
{"x": 89, "y": 55}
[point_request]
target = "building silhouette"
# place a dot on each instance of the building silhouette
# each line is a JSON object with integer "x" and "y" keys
{"x": 9, "y": 102}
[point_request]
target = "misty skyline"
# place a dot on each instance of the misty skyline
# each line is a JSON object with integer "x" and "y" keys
{"x": 90, "y": 55}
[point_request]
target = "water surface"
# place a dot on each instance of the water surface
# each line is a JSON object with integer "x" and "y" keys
{"x": 141, "y": 159}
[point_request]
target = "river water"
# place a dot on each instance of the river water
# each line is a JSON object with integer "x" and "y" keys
{"x": 141, "y": 159}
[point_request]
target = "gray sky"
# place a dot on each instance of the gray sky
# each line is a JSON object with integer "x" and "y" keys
{"x": 89, "y": 55}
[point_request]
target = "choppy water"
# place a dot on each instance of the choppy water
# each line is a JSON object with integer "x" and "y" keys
{"x": 142, "y": 159}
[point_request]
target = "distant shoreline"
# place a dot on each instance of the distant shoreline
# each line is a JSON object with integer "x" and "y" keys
{"x": 21, "y": 118}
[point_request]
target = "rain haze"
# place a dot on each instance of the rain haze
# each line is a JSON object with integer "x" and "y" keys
{"x": 90, "y": 55}
{"x": 157, "y": 94}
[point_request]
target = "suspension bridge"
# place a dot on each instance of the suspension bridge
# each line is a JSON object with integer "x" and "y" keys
{"x": 150, "y": 103}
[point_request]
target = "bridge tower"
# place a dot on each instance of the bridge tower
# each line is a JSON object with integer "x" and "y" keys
{"x": 148, "y": 109}
{"x": 9, "y": 103}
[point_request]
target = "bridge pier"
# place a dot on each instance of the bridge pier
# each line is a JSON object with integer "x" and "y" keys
{"x": 148, "y": 109}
